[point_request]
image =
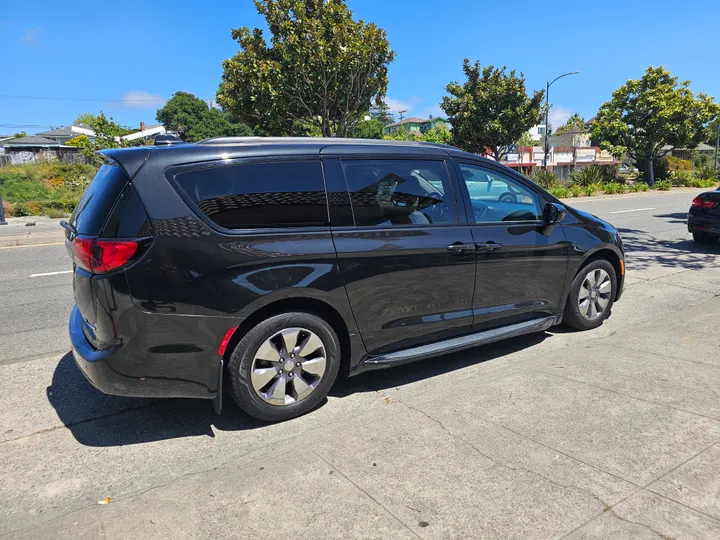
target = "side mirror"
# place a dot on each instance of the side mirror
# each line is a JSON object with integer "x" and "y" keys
{"x": 553, "y": 214}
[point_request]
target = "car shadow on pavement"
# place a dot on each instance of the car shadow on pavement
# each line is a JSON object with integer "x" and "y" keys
{"x": 96, "y": 419}
{"x": 643, "y": 251}
{"x": 677, "y": 218}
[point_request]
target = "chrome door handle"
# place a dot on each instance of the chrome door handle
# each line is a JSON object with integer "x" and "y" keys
{"x": 461, "y": 248}
{"x": 489, "y": 246}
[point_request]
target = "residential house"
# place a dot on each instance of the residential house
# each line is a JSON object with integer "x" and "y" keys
{"x": 33, "y": 149}
{"x": 65, "y": 133}
{"x": 414, "y": 125}
{"x": 575, "y": 137}
{"x": 687, "y": 153}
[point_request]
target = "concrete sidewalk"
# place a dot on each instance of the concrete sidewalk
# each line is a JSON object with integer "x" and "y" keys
{"x": 546, "y": 437}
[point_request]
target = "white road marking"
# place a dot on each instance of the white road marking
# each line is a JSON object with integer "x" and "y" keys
{"x": 52, "y": 273}
{"x": 634, "y": 210}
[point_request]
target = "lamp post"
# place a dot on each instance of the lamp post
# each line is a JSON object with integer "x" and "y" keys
{"x": 547, "y": 113}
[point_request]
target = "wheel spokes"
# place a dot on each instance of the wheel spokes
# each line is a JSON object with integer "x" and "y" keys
{"x": 601, "y": 303}
{"x": 605, "y": 287}
{"x": 267, "y": 351}
{"x": 277, "y": 391}
{"x": 290, "y": 338}
{"x": 300, "y": 386}
{"x": 311, "y": 344}
{"x": 591, "y": 312}
{"x": 316, "y": 366}
{"x": 584, "y": 292}
{"x": 261, "y": 376}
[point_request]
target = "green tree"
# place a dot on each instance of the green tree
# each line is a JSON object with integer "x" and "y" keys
{"x": 182, "y": 113}
{"x": 573, "y": 123}
{"x": 20, "y": 134}
{"x": 491, "y": 110}
{"x": 439, "y": 134}
{"x": 367, "y": 129}
{"x": 85, "y": 118}
{"x": 381, "y": 112}
{"x": 193, "y": 120}
{"x": 646, "y": 114}
{"x": 107, "y": 135}
{"x": 321, "y": 67}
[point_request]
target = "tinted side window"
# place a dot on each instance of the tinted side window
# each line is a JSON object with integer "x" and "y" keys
{"x": 93, "y": 209}
{"x": 395, "y": 192}
{"x": 252, "y": 195}
{"x": 497, "y": 197}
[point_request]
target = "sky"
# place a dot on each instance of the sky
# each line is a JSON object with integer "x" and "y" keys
{"x": 126, "y": 58}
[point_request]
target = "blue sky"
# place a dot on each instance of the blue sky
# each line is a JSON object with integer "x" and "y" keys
{"x": 137, "y": 53}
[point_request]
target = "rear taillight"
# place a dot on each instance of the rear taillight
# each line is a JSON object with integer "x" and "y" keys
{"x": 100, "y": 256}
{"x": 702, "y": 203}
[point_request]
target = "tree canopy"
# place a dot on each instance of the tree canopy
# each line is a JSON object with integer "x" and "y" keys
{"x": 321, "y": 67}
{"x": 491, "y": 110}
{"x": 192, "y": 118}
{"x": 573, "y": 123}
{"x": 646, "y": 114}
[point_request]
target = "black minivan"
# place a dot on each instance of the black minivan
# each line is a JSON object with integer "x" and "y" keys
{"x": 280, "y": 262}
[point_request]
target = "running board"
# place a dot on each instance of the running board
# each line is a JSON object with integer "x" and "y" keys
{"x": 460, "y": 343}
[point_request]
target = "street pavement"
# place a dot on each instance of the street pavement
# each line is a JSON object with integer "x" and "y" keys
{"x": 612, "y": 433}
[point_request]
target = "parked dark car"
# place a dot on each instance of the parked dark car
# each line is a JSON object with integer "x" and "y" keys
{"x": 704, "y": 217}
{"x": 280, "y": 263}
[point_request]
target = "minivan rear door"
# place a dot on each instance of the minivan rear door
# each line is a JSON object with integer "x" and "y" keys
{"x": 405, "y": 253}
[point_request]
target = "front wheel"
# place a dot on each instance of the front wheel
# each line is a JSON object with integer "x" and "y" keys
{"x": 591, "y": 296}
{"x": 285, "y": 366}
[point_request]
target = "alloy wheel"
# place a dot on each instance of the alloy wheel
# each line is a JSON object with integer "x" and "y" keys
{"x": 288, "y": 366}
{"x": 595, "y": 294}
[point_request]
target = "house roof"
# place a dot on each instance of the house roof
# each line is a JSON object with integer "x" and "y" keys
{"x": 411, "y": 120}
{"x": 31, "y": 140}
{"x": 64, "y": 131}
{"x": 702, "y": 147}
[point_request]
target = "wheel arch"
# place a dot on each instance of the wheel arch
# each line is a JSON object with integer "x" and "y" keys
{"x": 609, "y": 253}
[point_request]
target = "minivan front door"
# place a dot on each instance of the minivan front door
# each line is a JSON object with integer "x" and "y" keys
{"x": 521, "y": 266}
{"x": 408, "y": 260}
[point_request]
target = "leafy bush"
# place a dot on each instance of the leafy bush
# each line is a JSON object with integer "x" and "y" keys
{"x": 594, "y": 174}
{"x": 639, "y": 186}
{"x": 559, "y": 192}
{"x": 677, "y": 164}
{"x": 576, "y": 191}
{"x": 706, "y": 172}
{"x": 663, "y": 185}
{"x": 545, "y": 178}
{"x": 611, "y": 188}
{"x": 698, "y": 183}
{"x": 592, "y": 189}
{"x": 681, "y": 178}
{"x": 8, "y": 208}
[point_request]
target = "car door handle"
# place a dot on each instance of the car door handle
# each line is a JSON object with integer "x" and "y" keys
{"x": 459, "y": 247}
{"x": 489, "y": 246}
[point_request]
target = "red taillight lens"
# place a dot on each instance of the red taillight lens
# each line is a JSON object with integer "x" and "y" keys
{"x": 102, "y": 256}
{"x": 699, "y": 201}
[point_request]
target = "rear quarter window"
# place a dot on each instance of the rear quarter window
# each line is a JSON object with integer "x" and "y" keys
{"x": 259, "y": 195}
{"x": 98, "y": 200}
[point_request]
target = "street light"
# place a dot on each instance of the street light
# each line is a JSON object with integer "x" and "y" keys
{"x": 547, "y": 113}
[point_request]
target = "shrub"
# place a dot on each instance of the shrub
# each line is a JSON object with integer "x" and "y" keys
{"x": 639, "y": 186}
{"x": 592, "y": 189}
{"x": 709, "y": 183}
{"x": 661, "y": 169}
{"x": 559, "y": 192}
{"x": 677, "y": 164}
{"x": 611, "y": 188}
{"x": 545, "y": 178}
{"x": 706, "y": 172}
{"x": 696, "y": 183}
{"x": 8, "y": 208}
{"x": 576, "y": 191}
{"x": 663, "y": 185}
{"x": 681, "y": 178}
{"x": 54, "y": 213}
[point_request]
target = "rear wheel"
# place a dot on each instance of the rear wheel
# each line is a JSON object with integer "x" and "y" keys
{"x": 704, "y": 238}
{"x": 591, "y": 296}
{"x": 285, "y": 366}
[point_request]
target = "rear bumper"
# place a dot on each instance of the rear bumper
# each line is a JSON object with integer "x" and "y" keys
{"x": 104, "y": 370}
{"x": 705, "y": 224}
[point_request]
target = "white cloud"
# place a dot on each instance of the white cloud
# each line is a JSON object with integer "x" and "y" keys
{"x": 140, "y": 99}
{"x": 397, "y": 105}
{"x": 558, "y": 116}
{"x": 31, "y": 36}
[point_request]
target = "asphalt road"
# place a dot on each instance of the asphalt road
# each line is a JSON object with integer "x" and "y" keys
{"x": 610, "y": 433}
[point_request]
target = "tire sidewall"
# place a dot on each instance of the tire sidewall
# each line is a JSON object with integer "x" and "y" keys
{"x": 573, "y": 316}
{"x": 241, "y": 360}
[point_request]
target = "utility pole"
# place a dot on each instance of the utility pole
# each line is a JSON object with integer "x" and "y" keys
{"x": 401, "y": 113}
{"x": 717, "y": 143}
{"x": 546, "y": 147}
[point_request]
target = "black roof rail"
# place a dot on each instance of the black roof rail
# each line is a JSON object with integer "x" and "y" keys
{"x": 167, "y": 140}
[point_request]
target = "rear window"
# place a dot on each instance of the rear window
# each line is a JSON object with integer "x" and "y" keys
{"x": 96, "y": 204}
{"x": 258, "y": 195}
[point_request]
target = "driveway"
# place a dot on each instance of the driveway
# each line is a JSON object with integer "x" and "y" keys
{"x": 613, "y": 433}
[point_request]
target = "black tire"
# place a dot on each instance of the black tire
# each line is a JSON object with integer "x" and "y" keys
{"x": 704, "y": 238}
{"x": 242, "y": 357}
{"x": 508, "y": 197}
{"x": 572, "y": 316}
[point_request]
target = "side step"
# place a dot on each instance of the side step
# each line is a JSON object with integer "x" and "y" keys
{"x": 459, "y": 343}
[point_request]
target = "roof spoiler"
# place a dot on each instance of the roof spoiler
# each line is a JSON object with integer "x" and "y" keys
{"x": 167, "y": 140}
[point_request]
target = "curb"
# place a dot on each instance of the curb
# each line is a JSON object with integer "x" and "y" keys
{"x": 32, "y": 239}
{"x": 653, "y": 193}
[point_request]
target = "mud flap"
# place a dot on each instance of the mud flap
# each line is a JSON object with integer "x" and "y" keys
{"x": 218, "y": 399}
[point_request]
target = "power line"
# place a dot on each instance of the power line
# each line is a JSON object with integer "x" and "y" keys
{"x": 51, "y": 98}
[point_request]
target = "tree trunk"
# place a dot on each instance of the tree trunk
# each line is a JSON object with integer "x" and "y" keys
{"x": 650, "y": 172}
